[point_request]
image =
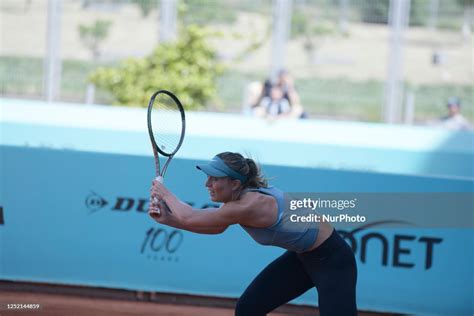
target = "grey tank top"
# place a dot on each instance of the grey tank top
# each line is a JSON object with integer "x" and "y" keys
{"x": 284, "y": 233}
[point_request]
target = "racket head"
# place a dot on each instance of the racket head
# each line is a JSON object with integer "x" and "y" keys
{"x": 166, "y": 123}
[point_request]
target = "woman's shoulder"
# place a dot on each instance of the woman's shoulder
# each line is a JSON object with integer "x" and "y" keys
{"x": 269, "y": 190}
{"x": 251, "y": 207}
{"x": 258, "y": 197}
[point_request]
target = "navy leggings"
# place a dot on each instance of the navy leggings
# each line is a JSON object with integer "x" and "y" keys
{"x": 331, "y": 268}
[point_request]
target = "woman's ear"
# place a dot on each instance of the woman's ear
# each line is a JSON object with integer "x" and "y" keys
{"x": 236, "y": 185}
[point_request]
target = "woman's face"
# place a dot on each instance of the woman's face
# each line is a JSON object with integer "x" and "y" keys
{"x": 220, "y": 189}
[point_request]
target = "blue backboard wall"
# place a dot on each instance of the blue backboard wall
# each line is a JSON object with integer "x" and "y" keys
{"x": 74, "y": 194}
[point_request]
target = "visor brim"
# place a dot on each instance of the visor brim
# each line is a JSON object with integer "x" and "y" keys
{"x": 211, "y": 171}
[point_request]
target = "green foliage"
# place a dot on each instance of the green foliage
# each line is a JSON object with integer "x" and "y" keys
{"x": 303, "y": 23}
{"x": 187, "y": 67}
{"x": 375, "y": 11}
{"x": 299, "y": 23}
{"x": 203, "y": 12}
{"x": 418, "y": 12}
{"x": 146, "y": 6}
{"x": 465, "y": 3}
{"x": 256, "y": 42}
{"x": 93, "y": 35}
{"x": 378, "y": 11}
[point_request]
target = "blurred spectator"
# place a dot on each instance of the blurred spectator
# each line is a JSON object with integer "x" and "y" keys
{"x": 277, "y": 100}
{"x": 274, "y": 105}
{"x": 454, "y": 119}
{"x": 253, "y": 95}
{"x": 286, "y": 84}
{"x": 265, "y": 92}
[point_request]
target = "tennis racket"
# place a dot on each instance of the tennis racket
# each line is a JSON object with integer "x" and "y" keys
{"x": 166, "y": 127}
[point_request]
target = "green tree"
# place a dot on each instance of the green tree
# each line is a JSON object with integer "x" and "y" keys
{"x": 312, "y": 30}
{"x": 93, "y": 35}
{"x": 465, "y": 3}
{"x": 377, "y": 11}
{"x": 146, "y": 6}
{"x": 187, "y": 67}
{"x": 203, "y": 12}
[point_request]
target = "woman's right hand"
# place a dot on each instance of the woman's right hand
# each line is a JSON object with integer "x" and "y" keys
{"x": 159, "y": 210}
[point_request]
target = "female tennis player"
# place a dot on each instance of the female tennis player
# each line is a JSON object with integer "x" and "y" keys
{"x": 316, "y": 255}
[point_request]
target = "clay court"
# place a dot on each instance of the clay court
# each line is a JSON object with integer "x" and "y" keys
{"x": 57, "y": 300}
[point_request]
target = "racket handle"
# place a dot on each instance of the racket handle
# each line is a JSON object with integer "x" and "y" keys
{"x": 155, "y": 200}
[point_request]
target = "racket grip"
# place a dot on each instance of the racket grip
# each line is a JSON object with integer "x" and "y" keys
{"x": 155, "y": 200}
{"x": 160, "y": 180}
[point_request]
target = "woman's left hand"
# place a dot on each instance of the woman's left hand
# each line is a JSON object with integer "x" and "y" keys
{"x": 158, "y": 208}
{"x": 159, "y": 211}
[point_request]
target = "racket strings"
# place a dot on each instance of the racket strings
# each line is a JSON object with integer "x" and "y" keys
{"x": 167, "y": 123}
